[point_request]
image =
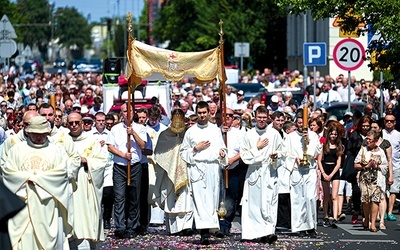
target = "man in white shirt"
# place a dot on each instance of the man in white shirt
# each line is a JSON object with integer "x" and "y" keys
{"x": 241, "y": 105}
{"x": 344, "y": 91}
{"x": 231, "y": 97}
{"x": 328, "y": 96}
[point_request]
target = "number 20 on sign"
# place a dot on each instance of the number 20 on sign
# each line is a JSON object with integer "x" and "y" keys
{"x": 349, "y": 54}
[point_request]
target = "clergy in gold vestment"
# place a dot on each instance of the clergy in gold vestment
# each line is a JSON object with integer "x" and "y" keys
{"x": 172, "y": 190}
{"x": 36, "y": 171}
{"x": 87, "y": 223}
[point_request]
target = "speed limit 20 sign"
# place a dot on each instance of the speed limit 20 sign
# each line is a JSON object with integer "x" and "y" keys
{"x": 349, "y": 54}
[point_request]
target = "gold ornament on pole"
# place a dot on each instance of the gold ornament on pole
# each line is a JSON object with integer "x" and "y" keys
{"x": 222, "y": 211}
{"x": 304, "y": 162}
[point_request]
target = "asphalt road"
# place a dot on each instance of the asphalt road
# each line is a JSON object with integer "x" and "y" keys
{"x": 346, "y": 236}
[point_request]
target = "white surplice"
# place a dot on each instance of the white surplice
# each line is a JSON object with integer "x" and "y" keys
{"x": 260, "y": 192}
{"x": 303, "y": 180}
{"x": 204, "y": 172}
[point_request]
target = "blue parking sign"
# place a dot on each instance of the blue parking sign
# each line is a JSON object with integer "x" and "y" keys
{"x": 314, "y": 54}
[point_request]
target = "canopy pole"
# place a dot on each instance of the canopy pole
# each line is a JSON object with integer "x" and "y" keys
{"x": 130, "y": 103}
{"x": 222, "y": 94}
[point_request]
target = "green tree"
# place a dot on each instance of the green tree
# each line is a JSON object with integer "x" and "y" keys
{"x": 382, "y": 16}
{"x": 10, "y": 9}
{"x": 73, "y": 30}
{"x": 192, "y": 25}
{"x": 34, "y": 18}
{"x": 119, "y": 37}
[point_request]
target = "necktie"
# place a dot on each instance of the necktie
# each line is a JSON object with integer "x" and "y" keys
{"x": 327, "y": 98}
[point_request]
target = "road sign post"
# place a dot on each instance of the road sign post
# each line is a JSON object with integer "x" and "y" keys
{"x": 349, "y": 55}
{"x": 242, "y": 50}
{"x": 314, "y": 54}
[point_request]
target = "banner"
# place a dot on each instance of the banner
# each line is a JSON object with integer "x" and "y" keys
{"x": 144, "y": 60}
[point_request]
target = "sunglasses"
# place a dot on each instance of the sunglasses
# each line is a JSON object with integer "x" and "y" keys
{"x": 4, "y": 105}
{"x": 59, "y": 116}
{"x": 392, "y": 121}
{"x": 229, "y": 115}
{"x": 87, "y": 122}
{"x": 74, "y": 123}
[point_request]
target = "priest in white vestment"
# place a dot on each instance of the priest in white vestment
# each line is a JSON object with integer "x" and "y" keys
{"x": 88, "y": 222}
{"x": 303, "y": 178}
{"x": 64, "y": 140}
{"x": 172, "y": 190}
{"x": 259, "y": 149}
{"x": 204, "y": 150}
{"x": 11, "y": 141}
{"x": 36, "y": 171}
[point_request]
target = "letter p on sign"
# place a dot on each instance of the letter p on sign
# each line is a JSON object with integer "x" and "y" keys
{"x": 314, "y": 54}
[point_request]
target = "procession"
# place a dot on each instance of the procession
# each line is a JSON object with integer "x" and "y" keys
{"x": 178, "y": 149}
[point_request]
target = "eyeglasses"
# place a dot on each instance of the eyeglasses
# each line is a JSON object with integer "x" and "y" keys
{"x": 392, "y": 121}
{"x": 74, "y": 123}
{"x": 109, "y": 123}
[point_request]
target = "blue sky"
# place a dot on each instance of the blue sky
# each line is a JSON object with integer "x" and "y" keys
{"x": 96, "y": 9}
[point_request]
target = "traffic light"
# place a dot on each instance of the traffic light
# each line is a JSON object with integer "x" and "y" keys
{"x": 109, "y": 24}
{"x": 111, "y": 70}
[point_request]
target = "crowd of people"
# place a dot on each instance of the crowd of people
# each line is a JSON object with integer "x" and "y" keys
{"x": 275, "y": 163}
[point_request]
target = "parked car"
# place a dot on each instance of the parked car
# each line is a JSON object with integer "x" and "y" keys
{"x": 73, "y": 64}
{"x": 250, "y": 89}
{"x": 33, "y": 65}
{"x": 60, "y": 63}
{"x": 146, "y": 103}
{"x": 298, "y": 94}
{"x": 338, "y": 109}
{"x": 96, "y": 62}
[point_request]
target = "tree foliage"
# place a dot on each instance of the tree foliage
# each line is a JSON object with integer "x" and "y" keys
{"x": 381, "y": 16}
{"x": 192, "y": 25}
{"x": 72, "y": 29}
{"x": 119, "y": 42}
{"x": 34, "y": 16}
{"x": 36, "y": 23}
